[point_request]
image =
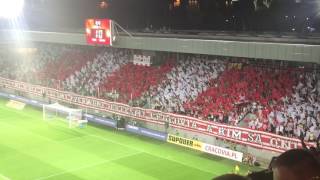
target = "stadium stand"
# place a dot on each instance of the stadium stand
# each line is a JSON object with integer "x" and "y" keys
{"x": 239, "y": 87}
{"x": 70, "y": 62}
{"x": 185, "y": 81}
{"x": 88, "y": 79}
{"x": 282, "y": 101}
{"x": 274, "y": 96}
{"x": 25, "y": 64}
{"x": 131, "y": 81}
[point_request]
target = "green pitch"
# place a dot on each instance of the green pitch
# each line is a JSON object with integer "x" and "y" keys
{"x": 33, "y": 149}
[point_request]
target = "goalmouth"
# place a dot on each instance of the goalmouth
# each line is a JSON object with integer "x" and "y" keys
{"x": 72, "y": 116}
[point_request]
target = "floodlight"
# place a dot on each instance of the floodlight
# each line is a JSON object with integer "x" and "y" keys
{"x": 11, "y": 8}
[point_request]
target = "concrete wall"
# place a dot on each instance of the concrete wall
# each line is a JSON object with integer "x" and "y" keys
{"x": 241, "y": 48}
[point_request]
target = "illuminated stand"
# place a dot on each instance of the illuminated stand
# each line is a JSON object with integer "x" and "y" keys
{"x": 57, "y": 111}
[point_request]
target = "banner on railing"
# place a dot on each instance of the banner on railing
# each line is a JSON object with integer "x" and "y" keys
{"x": 147, "y": 132}
{"x": 257, "y": 139}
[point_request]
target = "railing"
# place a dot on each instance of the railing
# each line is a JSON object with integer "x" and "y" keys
{"x": 253, "y": 138}
{"x": 281, "y": 37}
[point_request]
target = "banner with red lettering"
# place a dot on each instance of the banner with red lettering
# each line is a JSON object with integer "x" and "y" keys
{"x": 257, "y": 139}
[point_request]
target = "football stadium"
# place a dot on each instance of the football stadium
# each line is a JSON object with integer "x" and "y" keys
{"x": 146, "y": 90}
{"x": 34, "y": 149}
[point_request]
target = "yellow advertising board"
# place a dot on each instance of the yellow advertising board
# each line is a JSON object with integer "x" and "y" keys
{"x": 197, "y": 145}
{"x": 16, "y": 104}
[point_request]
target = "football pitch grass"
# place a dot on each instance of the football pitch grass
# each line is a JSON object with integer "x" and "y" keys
{"x": 33, "y": 149}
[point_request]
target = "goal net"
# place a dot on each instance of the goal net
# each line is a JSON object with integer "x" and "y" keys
{"x": 57, "y": 111}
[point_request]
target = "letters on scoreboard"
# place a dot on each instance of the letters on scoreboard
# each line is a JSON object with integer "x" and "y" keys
{"x": 99, "y": 31}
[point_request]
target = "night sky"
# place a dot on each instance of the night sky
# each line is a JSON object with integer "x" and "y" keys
{"x": 229, "y": 15}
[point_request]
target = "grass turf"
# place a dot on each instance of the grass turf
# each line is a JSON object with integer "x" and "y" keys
{"x": 33, "y": 149}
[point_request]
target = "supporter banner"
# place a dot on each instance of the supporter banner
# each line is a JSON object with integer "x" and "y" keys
{"x": 102, "y": 121}
{"x": 142, "y": 60}
{"x": 257, "y": 139}
{"x": 147, "y": 132}
{"x": 193, "y": 144}
{"x": 21, "y": 99}
{"x": 222, "y": 152}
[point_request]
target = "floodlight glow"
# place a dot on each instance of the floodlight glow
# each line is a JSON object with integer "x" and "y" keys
{"x": 11, "y": 8}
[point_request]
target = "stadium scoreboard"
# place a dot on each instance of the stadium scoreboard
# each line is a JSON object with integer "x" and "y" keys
{"x": 99, "y": 31}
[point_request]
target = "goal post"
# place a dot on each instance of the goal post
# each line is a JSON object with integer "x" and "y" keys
{"x": 57, "y": 111}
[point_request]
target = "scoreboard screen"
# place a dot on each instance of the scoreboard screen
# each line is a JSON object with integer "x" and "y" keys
{"x": 99, "y": 31}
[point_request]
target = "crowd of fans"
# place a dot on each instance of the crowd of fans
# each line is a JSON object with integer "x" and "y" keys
{"x": 24, "y": 64}
{"x": 239, "y": 89}
{"x": 299, "y": 114}
{"x": 280, "y": 99}
{"x": 69, "y": 62}
{"x": 184, "y": 82}
{"x": 132, "y": 81}
{"x": 88, "y": 79}
{"x": 45, "y": 64}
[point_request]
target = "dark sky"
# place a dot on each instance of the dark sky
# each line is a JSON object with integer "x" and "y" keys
{"x": 240, "y": 15}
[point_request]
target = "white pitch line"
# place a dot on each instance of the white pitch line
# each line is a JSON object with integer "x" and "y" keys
{"x": 87, "y": 166}
{"x": 46, "y": 138}
{"x": 115, "y": 142}
{"x": 108, "y": 140}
